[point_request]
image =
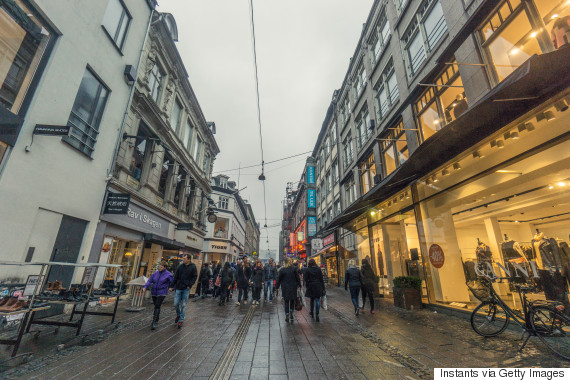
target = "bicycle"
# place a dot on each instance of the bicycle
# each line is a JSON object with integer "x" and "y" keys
{"x": 543, "y": 319}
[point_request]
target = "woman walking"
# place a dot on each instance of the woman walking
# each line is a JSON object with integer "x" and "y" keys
{"x": 353, "y": 279}
{"x": 243, "y": 276}
{"x": 315, "y": 285}
{"x": 159, "y": 282}
{"x": 368, "y": 280}
{"x": 227, "y": 277}
{"x": 288, "y": 279}
{"x": 257, "y": 278}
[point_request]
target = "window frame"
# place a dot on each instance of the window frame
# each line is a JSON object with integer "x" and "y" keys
{"x": 125, "y": 14}
{"x": 389, "y": 141}
{"x": 348, "y": 155}
{"x": 382, "y": 86}
{"x": 155, "y": 83}
{"x": 379, "y": 41}
{"x": 367, "y": 172}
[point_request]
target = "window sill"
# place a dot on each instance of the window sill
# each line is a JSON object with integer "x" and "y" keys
{"x": 112, "y": 41}
{"x": 76, "y": 149}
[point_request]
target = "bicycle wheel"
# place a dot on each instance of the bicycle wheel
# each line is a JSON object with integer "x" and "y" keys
{"x": 489, "y": 319}
{"x": 553, "y": 329}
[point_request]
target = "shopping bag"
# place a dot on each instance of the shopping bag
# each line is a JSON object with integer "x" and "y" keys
{"x": 300, "y": 293}
{"x": 299, "y": 301}
{"x": 324, "y": 303}
{"x": 218, "y": 281}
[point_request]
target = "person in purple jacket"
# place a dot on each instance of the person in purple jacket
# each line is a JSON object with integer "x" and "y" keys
{"x": 159, "y": 282}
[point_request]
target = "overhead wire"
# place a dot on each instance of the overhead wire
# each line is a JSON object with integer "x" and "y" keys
{"x": 266, "y": 163}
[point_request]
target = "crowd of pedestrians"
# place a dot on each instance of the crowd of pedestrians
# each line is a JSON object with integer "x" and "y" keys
{"x": 221, "y": 282}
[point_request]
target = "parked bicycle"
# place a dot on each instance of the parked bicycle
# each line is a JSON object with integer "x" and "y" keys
{"x": 544, "y": 319}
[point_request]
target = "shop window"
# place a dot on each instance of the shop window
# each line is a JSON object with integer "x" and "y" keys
{"x": 363, "y": 127}
{"x": 439, "y": 105}
{"x": 154, "y": 82}
{"x": 139, "y": 152}
{"x": 116, "y": 21}
{"x": 423, "y": 34}
{"x": 180, "y": 181}
{"x": 367, "y": 174}
{"x": 386, "y": 89}
{"x": 165, "y": 170}
{"x": 23, "y": 41}
{"x": 556, "y": 17}
{"x": 394, "y": 148}
{"x": 359, "y": 80}
{"x": 188, "y": 135}
{"x": 347, "y": 151}
{"x": 333, "y": 134}
{"x": 381, "y": 37}
{"x": 175, "y": 116}
{"x": 197, "y": 150}
{"x": 221, "y": 228}
{"x": 87, "y": 113}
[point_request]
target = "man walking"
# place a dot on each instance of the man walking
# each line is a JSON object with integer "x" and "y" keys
{"x": 270, "y": 273}
{"x": 184, "y": 277}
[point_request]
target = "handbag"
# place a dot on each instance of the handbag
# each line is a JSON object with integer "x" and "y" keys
{"x": 324, "y": 304}
{"x": 298, "y": 301}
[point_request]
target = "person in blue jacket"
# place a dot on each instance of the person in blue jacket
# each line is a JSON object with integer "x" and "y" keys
{"x": 159, "y": 282}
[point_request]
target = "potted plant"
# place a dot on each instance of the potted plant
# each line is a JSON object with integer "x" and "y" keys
{"x": 408, "y": 292}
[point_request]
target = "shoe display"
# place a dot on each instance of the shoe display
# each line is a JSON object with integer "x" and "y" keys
{"x": 8, "y": 304}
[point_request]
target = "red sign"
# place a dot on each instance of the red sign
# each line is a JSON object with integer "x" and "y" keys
{"x": 328, "y": 240}
{"x": 436, "y": 256}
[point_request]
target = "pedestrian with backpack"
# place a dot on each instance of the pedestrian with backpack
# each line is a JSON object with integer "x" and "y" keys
{"x": 243, "y": 278}
{"x": 158, "y": 283}
{"x": 353, "y": 280}
{"x": 184, "y": 278}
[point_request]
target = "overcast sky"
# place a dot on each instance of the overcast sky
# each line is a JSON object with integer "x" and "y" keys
{"x": 303, "y": 52}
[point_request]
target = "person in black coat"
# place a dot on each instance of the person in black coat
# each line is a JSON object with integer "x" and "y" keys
{"x": 184, "y": 278}
{"x": 353, "y": 279}
{"x": 243, "y": 277}
{"x": 315, "y": 285}
{"x": 227, "y": 282}
{"x": 257, "y": 278}
{"x": 217, "y": 270}
{"x": 368, "y": 281}
{"x": 290, "y": 281}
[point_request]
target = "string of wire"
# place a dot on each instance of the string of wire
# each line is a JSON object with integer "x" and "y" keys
{"x": 267, "y": 163}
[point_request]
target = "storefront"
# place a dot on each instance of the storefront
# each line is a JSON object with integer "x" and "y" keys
{"x": 328, "y": 259}
{"x": 217, "y": 250}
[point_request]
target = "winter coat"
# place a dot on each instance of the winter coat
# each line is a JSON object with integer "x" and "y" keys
{"x": 257, "y": 277}
{"x": 352, "y": 278}
{"x": 185, "y": 276}
{"x": 159, "y": 282}
{"x": 205, "y": 275}
{"x": 228, "y": 276}
{"x": 289, "y": 281}
{"x": 269, "y": 272}
{"x": 314, "y": 282}
{"x": 368, "y": 277}
{"x": 217, "y": 271}
{"x": 243, "y": 276}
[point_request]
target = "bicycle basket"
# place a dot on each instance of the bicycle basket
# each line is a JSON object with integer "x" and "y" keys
{"x": 481, "y": 290}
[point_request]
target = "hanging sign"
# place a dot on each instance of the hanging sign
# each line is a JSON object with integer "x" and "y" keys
{"x": 316, "y": 244}
{"x": 436, "y": 256}
{"x": 312, "y": 222}
{"x": 311, "y": 198}
{"x": 310, "y": 175}
{"x": 328, "y": 240}
{"x": 117, "y": 203}
{"x": 51, "y": 130}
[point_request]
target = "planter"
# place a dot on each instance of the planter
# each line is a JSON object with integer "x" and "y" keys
{"x": 407, "y": 298}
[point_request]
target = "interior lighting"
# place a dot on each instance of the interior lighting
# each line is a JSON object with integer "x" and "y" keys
{"x": 514, "y": 135}
{"x": 493, "y": 143}
{"x": 407, "y": 196}
{"x": 456, "y": 166}
{"x": 514, "y": 51}
{"x": 529, "y": 127}
{"x": 549, "y": 115}
{"x": 561, "y": 105}
{"x": 533, "y": 34}
{"x": 500, "y": 144}
{"x": 554, "y": 16}
{"x": 372, "y": 212}
{"x": 395, "y": 200}
{"x": 444, "y": 172}
{"x": 436, "y": 122}
{"x": 561, "y": 184}
{"x": 476, "y": 154}
{"x": 434, "y": 179}
{"x": 540, "y": 117}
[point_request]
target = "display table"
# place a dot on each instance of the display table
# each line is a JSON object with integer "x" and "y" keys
{"x": 21, "y": 329}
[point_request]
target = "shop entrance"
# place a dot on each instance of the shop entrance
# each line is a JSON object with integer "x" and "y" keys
{"x": 127, "y": 253}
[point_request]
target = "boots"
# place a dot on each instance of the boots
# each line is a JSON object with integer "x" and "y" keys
{"x": 317, "y": 318}
{"x": 155, "y": 319}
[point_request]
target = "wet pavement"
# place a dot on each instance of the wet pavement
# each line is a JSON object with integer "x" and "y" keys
{"x": 255, "y": 342}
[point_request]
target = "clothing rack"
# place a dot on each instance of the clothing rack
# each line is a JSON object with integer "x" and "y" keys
{"x": 30, "y": 312}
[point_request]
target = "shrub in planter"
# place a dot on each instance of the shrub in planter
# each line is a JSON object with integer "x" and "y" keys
{"x": 407, "y": 292}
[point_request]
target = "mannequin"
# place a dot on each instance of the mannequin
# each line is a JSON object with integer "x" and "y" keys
{"x": 560, "y": 33}
{"x": 550, "y": 265}
{"x": 483, "y": 252}
{"x": 512, "y": 251}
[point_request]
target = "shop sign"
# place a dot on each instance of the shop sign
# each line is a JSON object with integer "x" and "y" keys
{"x": 117, "y": 203}
{"x": 311, "y": 198}
{"x": 300, "y": 236}
{"x": 141, "y": 220}
{"x": 33, "y": 281}
{"x": 218, "y": 247}
{"x": 436, "y": 256}
{"x": 316, "y": 244}
{"x": 329, "y": 240}
{"x": 51, "y": 130}
{"x": 312, "y": 229}
{"x": 310, "y": 175}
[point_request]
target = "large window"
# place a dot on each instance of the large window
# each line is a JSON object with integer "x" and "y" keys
{"x": 154, "y": 82}
{"x": 116, "y": 21}
{"x": 327, "y": 146}
{"x": 197, "y": 150}
{"x": 86, "y": 113}
{"x": 441, "y": 104}
{"x": 187, "y": 139}
{"x": 367, "y": 174}
{"x": 337, "y": 209}
{"x": 175, "y": 117}
{"x": 180, "y": 181}
{"x": 394, "y": 148}
{"x": 349, "y": 192}
{"x": 345, "y": 110}
{"x": 347, "y": 150}
{"x": 359, "y": 80}
{"x": 363, "y": 127}
{"x": 423, "y": 34}
{"x": 333, "y": 133}
{"x": 23, "y": 41}
{"x": 381, "y": 37}
{"x": 165, "y": 170}
{"x": 224, "y": 203}
{"x": 190, "y": 195}
{"x": 329, "y": 181}
{"x": 140, "y": 151}
{"x": 386, "y": 90}
{"x": 334, "y": 170}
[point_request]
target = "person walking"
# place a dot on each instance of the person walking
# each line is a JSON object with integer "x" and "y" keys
{"x": 257, "y": 278}
{"x": 290, "y": 281}
{"x": 158, "y": 283}
{"x": 227, "y": 282}
{"x": 243, "y": 276}
{"x": 234, "y": 284}
{"x": 270, "y": 275}
{"x": 353, "y": 279}
{"x": 205, "y": 276}
{"x": 315, "y": 285}
{"x": 184, "y": 278}
{"x": 368, "y": 280}
{"x": 217, "y": 272}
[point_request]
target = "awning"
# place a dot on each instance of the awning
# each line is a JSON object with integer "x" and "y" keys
{"x": 520, "y": 92}
{"x": 165, "y": 242}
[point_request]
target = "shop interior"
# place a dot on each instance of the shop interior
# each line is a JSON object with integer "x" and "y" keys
{"x": 127, "y": 253}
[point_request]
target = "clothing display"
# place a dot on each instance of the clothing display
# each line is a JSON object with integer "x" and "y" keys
{"x": 512, "y": 251}
{"x": 483, "y": 252}
{"x": 547, "y": 252}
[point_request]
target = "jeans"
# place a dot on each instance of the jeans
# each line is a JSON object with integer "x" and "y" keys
{"x": 180, "y": 298}
{"x": 354, "y": 291}
{"x": 256, "y": 293}
{"x": 370, "y": 297}
{"x": 243, "y": 292}
{"x": 268, "y": 288}
{"x": 316, "y": 302}
{"x": 289, "y": 307}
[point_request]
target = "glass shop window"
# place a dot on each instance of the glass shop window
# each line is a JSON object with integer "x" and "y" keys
{"x": 394, "y": 148}
{"x": 165, "y": 170}
{"x": 139, "y": 152}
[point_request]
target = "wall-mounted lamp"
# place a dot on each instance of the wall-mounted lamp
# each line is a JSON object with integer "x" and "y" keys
{"x": 561, "y": 105}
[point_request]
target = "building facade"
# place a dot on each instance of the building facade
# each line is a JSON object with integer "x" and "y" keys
{"x": 164, "y": 162}
{"x": 64, "y": 65}
{"x": 452, "y": 125}
{"x": 252, "y": 233}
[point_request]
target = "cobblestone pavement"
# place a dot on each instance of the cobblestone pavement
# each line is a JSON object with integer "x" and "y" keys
{"x": 255, "y": 342}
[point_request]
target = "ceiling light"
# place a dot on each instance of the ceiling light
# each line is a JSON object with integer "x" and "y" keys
{"x": 554, "y": 16}
{"x": 372, "y": 213}
{"x": 389, "y": 203}
{"x": 493, "y": 143}
{"x": 561, "y": 184}
{"x": 444, "y": 172}
{"x": 395, "y": 200}
{"x": 507, "y": 135}
{"x": 549, "y": 115}
{"x": 514, "y": 51}
{"x": 550, "y": 187}
{"x": 407, "y": 196}
{"x": 456, "y": 166}
{"x": 500, "y": 144}
{"x": 436, "y": 122}
{"x": 533, "y": 34}
{"x": 529, "y": 127}
{"x": 561, "y": 105}
{"x": 434, "y": 179}
{"x": 540, "y": 117}
{"x": 514, "y": 135}
{"x": 476, "y": 154}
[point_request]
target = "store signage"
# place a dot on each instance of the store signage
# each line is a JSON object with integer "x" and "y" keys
{"x": 117, "y": 203}
{"x": 316, "y": 244}
{"x": 310, "y": 175}
{"x": 329, "y": 240}
{"x": 436, "y": 256}
{"x": 311, "y": 198}
{"x": 51, "y": 130}
{"x": 312, "y": 222}
{"x": 300, "y": 236}
{"x": 184, "y": 226}
{"x": 141, "y": 220}
{"x": 34, "y": 283}
{"x": 144, "y": 218}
